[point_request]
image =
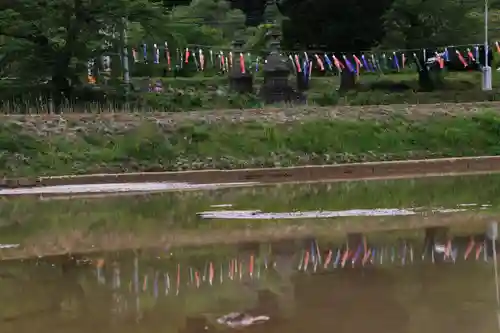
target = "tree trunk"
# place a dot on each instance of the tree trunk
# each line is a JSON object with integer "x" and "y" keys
{"x": 61, "y": 84}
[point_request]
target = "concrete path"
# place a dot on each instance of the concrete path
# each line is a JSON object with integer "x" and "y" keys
{"x": 112, "y": 188}
{"x": 202, "y": 179}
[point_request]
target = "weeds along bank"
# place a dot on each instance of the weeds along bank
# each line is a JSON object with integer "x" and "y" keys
{"x": 209, "y": 93}
{"x": 71, "y": 143}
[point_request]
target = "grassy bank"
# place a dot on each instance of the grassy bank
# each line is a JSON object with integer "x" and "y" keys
{"x": 195, "y": 141}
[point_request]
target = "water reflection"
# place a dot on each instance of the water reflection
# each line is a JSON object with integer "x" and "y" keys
{"x": 433, "y": 281}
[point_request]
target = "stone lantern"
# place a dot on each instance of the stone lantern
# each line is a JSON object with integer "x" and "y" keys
{"x": 276, "y": 88}
{"x": 240, "y": 77}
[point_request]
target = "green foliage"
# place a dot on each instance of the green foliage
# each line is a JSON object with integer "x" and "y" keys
{"x": 59, "y": 43}
{"x": 412, "y": 24}
{"x": 50, "y": 52}
{"x": 150, "y": 147}
{"x": 55, "y": 47}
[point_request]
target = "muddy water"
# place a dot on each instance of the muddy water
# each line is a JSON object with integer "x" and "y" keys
{"x": 396, "y": 281}
{"x": 238, "y": 213}
{"x": 292, "y": 286}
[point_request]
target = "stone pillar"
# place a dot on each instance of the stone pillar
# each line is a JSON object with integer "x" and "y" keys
{"x": 240, "y": 78}
{"x": 434, "y": 235}
{"x": 491, "y": 238}
{"x": 276, "y": 87}
{"x": 430, "y": 75}
{"x": 347, "y": 80}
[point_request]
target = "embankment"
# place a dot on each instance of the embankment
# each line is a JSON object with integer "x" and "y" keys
{"x": 52, "y": 145}
{"x": 310, "y": 173}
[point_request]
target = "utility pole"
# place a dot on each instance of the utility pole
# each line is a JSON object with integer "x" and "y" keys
{"x": 487, "y": 66}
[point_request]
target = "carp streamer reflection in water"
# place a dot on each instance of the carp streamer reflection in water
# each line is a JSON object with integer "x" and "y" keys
{"x": 292, "y": 285}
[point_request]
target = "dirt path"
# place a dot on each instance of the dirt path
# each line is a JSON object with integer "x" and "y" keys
{"x": 74, "y": 123}
{"x": 281, "y": 114}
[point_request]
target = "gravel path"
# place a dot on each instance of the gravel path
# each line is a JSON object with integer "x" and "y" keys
{"x": 74, "y": 122}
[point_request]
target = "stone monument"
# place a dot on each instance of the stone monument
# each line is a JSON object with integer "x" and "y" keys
{"x": 347, "y": 80}
{"x": 240, "y": 77}
{"x": 430, "y": 75}
{"x": 276, "y": 87}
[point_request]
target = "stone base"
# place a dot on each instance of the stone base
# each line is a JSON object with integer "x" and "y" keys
{"x": 275, "y": 95}
{"x": 241, "y": 83}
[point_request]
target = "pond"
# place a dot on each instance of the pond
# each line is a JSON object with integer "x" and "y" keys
{"x": 292, "y": 285}
{"x": 384, "y": 256}
{"x": 55, "y": 224}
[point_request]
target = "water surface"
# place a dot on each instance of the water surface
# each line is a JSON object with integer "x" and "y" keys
{"x": 244, "y": 213}
{"x": 188, "y": 289}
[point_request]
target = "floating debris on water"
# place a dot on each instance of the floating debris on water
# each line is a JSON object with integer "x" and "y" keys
{"x": 237, "y": 319}
{"x": 9, "y": 246}
{"x": 259, "y": 215}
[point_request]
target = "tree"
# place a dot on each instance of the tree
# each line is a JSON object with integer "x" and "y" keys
{"x": 272, "y": 14}
{"x": 52, "y": 40}
{"x": 413, "y": 24}
{"x": 333, "y": 25}
{"x": 216, "y": 16}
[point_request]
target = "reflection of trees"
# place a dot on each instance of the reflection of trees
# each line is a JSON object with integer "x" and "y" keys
{"x": 56, "y": 289}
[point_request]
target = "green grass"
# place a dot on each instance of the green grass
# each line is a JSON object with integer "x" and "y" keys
{"x": 225, "y": 145}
